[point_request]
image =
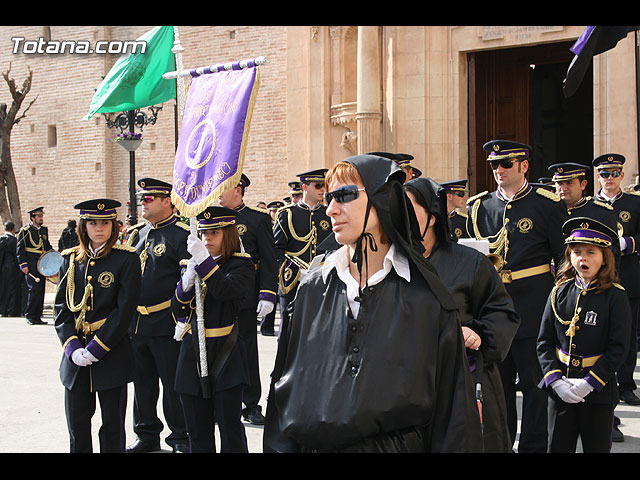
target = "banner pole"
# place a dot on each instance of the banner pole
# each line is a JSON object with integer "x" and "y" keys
{"x": 195, "y": 72}
{"x": 202, "y": 340}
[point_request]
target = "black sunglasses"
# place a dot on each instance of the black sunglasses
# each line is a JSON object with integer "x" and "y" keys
{"x": 504, "y": 163}
{"x": 458, "y": 194}
{"x": 614, "y": 174}
{"x": 344, "y": 194}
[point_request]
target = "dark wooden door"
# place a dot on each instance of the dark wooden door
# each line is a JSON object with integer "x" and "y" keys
{"x": 499, "y": 101}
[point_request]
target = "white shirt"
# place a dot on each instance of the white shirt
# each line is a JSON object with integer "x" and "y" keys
{"x": 340, "y": 261}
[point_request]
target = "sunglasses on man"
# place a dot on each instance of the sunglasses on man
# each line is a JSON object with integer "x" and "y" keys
{"x": 344, "y": 194}
{"x": 151, "y": 198}
{"x": 458, "y": 194}
{"x": 503, "y": 162}
{"x": 614, "y": 174}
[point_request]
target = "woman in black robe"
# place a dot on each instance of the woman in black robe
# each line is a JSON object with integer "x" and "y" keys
{"x": 373, "y": 358}
{"x": 488, "y": 317}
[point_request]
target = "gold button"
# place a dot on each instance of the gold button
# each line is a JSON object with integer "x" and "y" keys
{"x": 88, "y": 307}
{"x": 506, "y": 220}
{"x": 89, "y": 278}
{"x": 509, "y": 205}
{"x": 92, "y": 263}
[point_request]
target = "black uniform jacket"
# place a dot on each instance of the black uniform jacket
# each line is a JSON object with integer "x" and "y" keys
{"x": 395, "y": 378}
{"x": 256, "y": 233}
{"x": 458, "y": 224}
{"x": 32, "y": 242}
{"x": 115, "y": 281}
{"x": 226, "y": 287}
{"x": 627, "y": 209}
{"x": 8, "y": 258}
{"x": 533, "y": 223}
{"x": 297, "y": 231}
{"x": 160, "y": 247}
{"x": 600, "y": 343}
{"x": 485, "y": 305}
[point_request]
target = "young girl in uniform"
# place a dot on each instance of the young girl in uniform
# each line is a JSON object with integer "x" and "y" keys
{"x": 227, "y": 277}
{"x": 583, "y": 340}
{"x": 95, "y": 301}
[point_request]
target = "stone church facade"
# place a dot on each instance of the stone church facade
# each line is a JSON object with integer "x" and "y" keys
{"x": 327, "y": 92}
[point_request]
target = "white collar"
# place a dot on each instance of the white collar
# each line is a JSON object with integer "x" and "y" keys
{"x": 340, "y": 261}
{"x": 94, "y": 253}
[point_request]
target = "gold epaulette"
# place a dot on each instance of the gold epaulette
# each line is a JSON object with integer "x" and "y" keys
{"x": 606, "y": 205}
{"x": 70, "y": 250}
{"x": 617, "y": 285}
{"x": 183, "y": 225}
{"x": 546, "y": 193}
{"x": 136, "y": 226}
{"x": 126, "y": 248}
{"x": 462, "y": 214}
{"x": 633, "y": 192}
{"x": 475, "y": 197}
{"x": 241, "y": 254}
{"x": 288, "y": 205}
{"x": 258, "y": 209}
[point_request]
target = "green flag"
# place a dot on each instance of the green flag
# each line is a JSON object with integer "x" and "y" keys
{"x": 135, "y": 80}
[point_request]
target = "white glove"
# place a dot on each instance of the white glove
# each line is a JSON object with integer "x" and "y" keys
{"x": 79, "y": 359}
{"x": 189, "y": 276}
{"x": 197, "y": 249}
{"x": 265, "y": 307}
{"x": 563, "y": 388}
{"x": 180, "y": 331}
{"x": 89, "y": 356}
{"x": 623, "y": 243}
{"x": 580, "y": 387}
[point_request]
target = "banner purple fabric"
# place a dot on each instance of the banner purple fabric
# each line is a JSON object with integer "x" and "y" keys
{"x": 577, "y": 47}
{"x": 213, "y": 137}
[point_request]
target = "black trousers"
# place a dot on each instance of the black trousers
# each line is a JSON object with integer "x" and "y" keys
{"x": 10, "y": 293}
{"x": 523, "y": 362}
{"x": 35, "y": 294}
{"x": 625, "y": 372}
{"x": 156, "y": 359}
{"x": 593, "y": 423}
{"x": 201, "y": 414}
{"x": 80, "y": 405}
{"x": 248, "y": 335}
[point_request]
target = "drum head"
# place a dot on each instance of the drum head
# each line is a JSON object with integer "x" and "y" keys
{"x": 50, "y": 263}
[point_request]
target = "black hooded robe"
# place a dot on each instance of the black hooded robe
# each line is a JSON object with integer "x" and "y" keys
{"x": 394, "y": 379}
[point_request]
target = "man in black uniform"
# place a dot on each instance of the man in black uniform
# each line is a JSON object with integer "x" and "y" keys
{"x": 254, "y": 227}
{"x": 524, "y": 228}
{"x": 627, "y": 208}
{"x": 298, "y": 230}
{"x": 160, "y": 242}
{"x": 10, "y": 277}
{"x": 456, "y": 192}
{"x": 32, "y": 242}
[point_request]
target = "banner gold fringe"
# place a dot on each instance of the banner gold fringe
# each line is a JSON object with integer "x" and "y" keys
{"x": 231, "y": 182}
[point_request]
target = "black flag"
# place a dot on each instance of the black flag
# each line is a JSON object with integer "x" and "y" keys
{"x": 593, "y": 41}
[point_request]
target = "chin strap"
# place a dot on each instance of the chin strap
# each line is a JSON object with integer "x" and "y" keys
{"x": 426, "y": 227}
{"x": 361, "y": 253}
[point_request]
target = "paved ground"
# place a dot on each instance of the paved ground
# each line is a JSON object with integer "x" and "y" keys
{"x": 31, "y": 395}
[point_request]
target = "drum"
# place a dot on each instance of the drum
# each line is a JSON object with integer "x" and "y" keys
{"x": 49, "y": 263}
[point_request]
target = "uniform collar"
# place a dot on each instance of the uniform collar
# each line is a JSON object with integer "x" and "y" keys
{"x": 304, "y": 206}
{"x": 97, "y": 252}
{"x": 240, "y": 207}
{"x": 580, "y": 203}
{"x": 585, "y": 286}
{"x": 524, "y": 190}
{"x": 604, "y": 197}
{"x": 167, "y": 221}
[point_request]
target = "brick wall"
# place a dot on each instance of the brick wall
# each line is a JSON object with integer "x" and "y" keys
{"x": 84, "y": 163}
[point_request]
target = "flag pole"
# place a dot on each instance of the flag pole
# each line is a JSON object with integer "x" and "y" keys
{"x": 202, "y": 340}
{"x": 195, "y": 72}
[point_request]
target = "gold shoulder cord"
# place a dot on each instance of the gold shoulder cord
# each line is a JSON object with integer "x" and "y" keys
{"x": 571, "y": 330}
{"x": 309, "y": 238}
{"x": 71, "y": 287}
{"x": 35, "y": 245}
{"x": 501, "y": 243}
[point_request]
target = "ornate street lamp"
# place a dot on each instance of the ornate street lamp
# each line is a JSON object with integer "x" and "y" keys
{"x": 127, "y": 122}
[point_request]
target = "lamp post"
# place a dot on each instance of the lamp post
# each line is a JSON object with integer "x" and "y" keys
{"x": 127, "y": 121}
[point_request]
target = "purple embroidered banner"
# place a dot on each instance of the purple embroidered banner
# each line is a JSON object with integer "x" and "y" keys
{"x": 213, "y": 137}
